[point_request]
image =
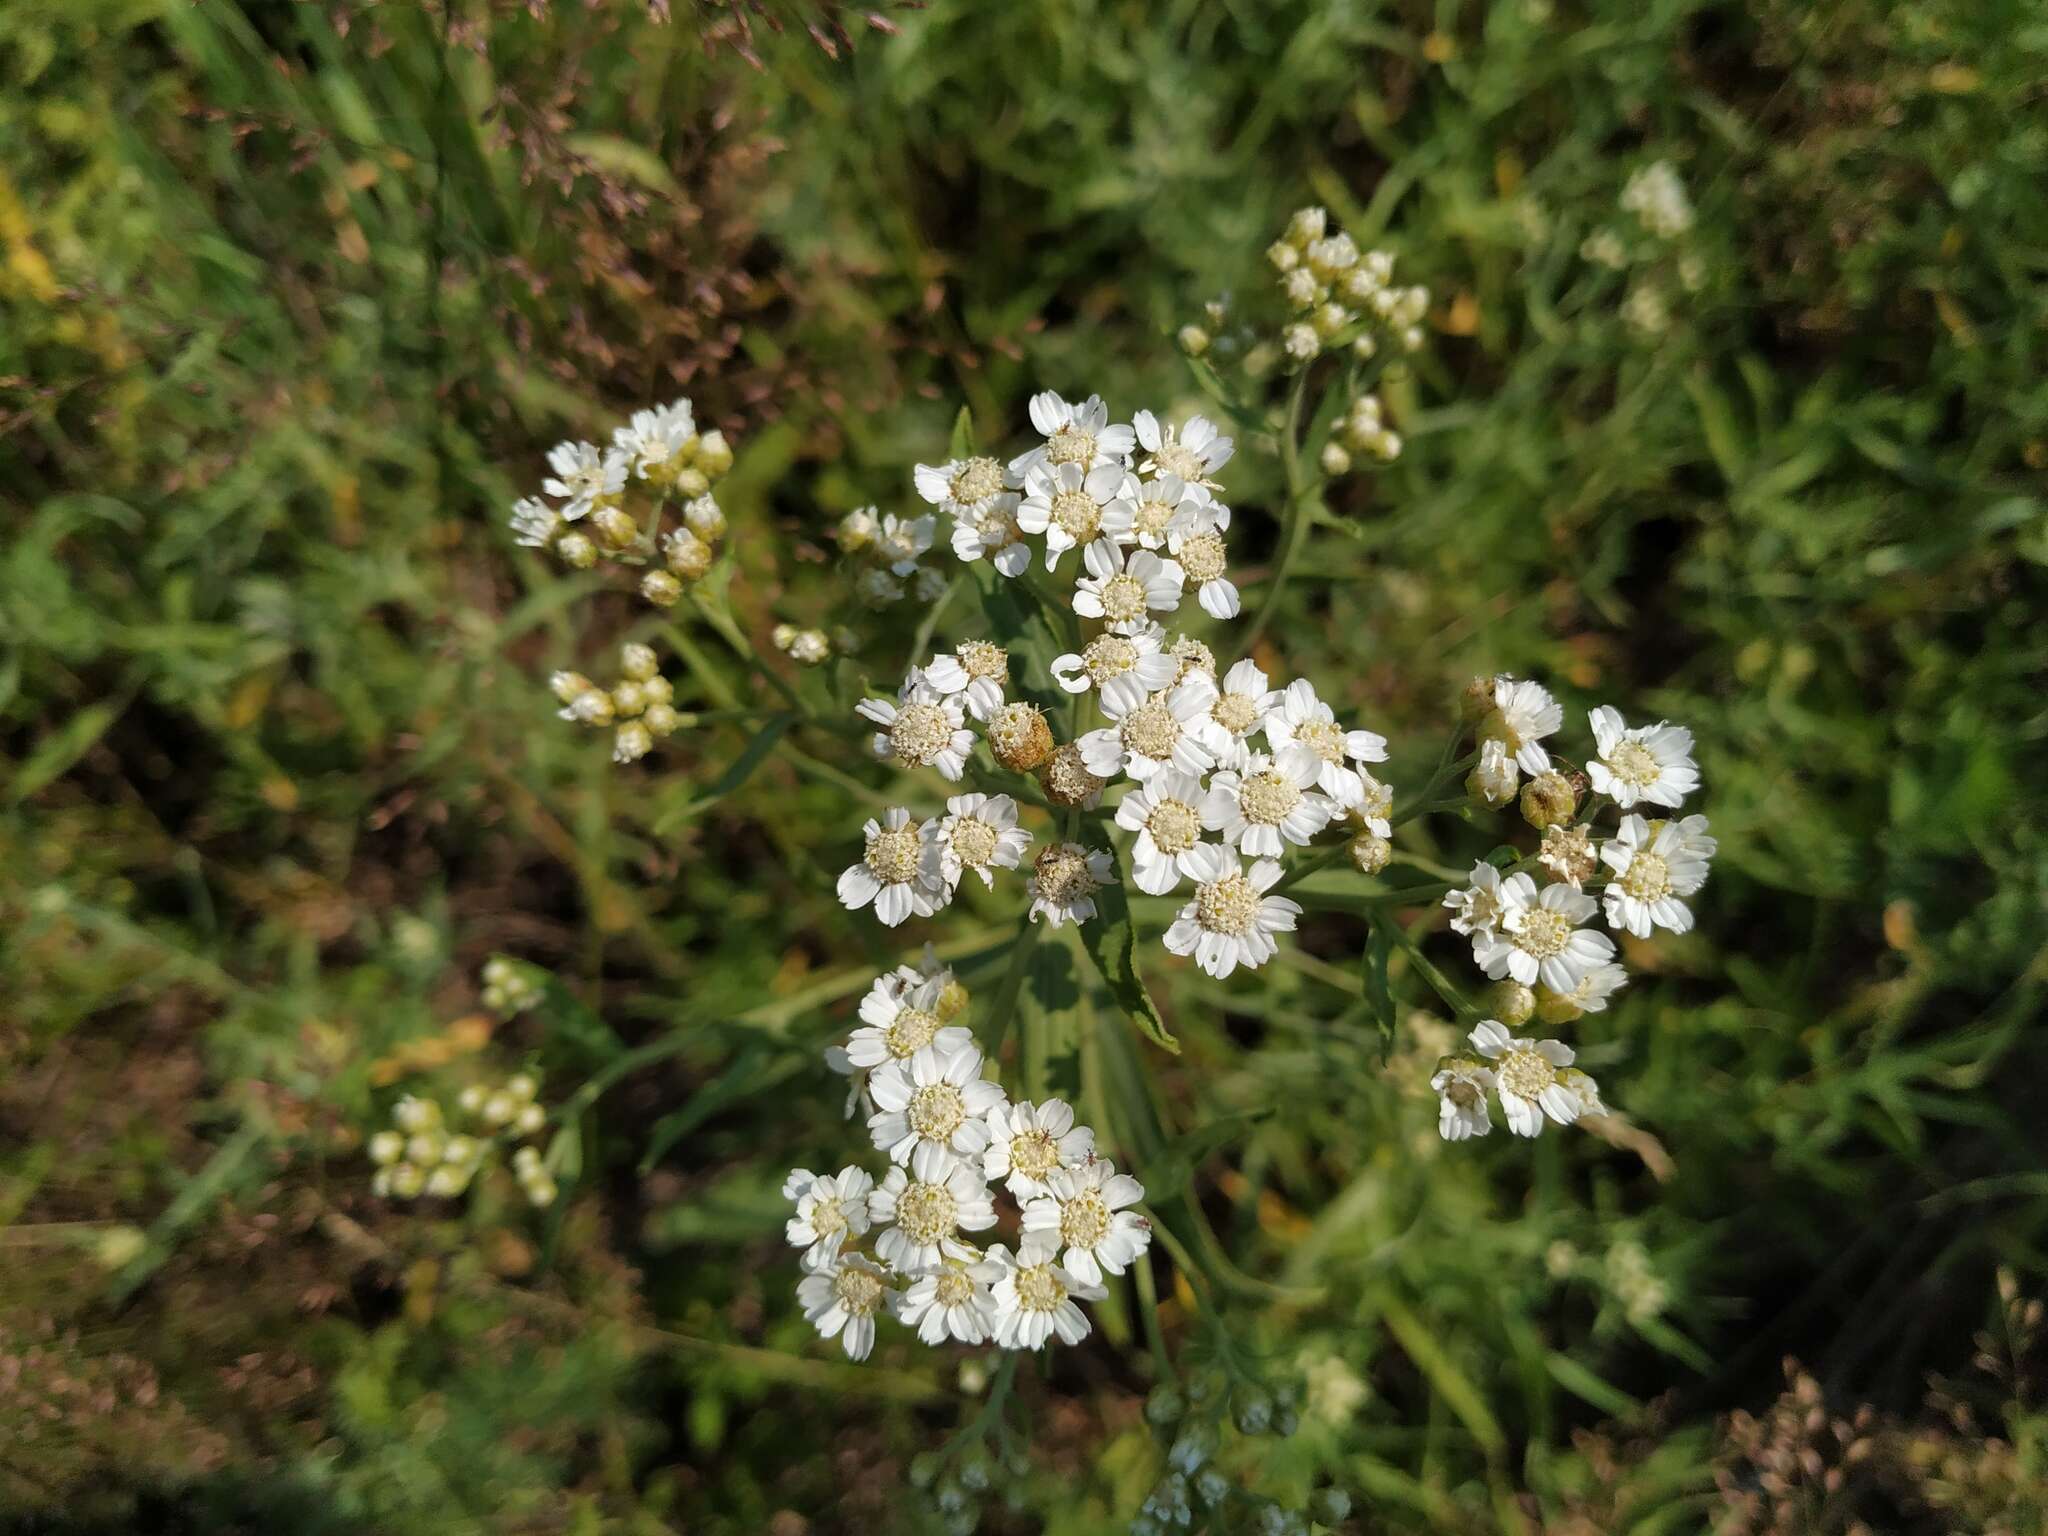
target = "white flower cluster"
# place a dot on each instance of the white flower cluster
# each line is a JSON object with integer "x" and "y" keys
{"x": 421, "y": 1155}
{"x": 661, "y": 454}
{"x": 1340, "y": 294}
{"x": 1219, "y": 770}
{"x": 950, "y": 1133}
{"x": 1535, "y": 942}
{"x": 509, "y": 987}
{"x": 1657, "y": 198}
{"x": 807, "y": 647}
{"x": 893, "y": 548}
{"x": 641, "y": 704}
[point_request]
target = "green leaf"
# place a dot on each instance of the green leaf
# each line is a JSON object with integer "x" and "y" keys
{"x": 962, "y": 446}
{"x": 58, "y": 752}
{"x": 1174, "y": 1169}
{"x": 756, "y": 1070}
{"x": 1379, "y": 993}
{"x": 741, "y": 769}
{"x": 1111, "y": 939}
{"x": 1451, "y": 1384}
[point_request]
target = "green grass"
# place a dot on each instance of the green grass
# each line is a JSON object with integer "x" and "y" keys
{"x": 283, "y": 330}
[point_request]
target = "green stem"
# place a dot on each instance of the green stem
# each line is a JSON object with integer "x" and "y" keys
{"x": 1294, "y": 516}
{"x": 721, "y": 622}
{"x": 1427, "y": 970}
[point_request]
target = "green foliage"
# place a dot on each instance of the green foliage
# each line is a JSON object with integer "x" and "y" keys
{"x": 292, "y": 299}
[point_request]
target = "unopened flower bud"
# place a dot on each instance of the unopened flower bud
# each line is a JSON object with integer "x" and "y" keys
{"x": 1411, "y": 341}
{"x": 577, "y": 551}
{"x": 633, "y": 742}
{"x": 407, "y": 1181}
{"x": 1548, "y": 799}
{"x": 530, "y": 1119}
{"x": 1301, "y": 343}
{"x": 1364, "y": 347}
{"x": 658, "y": 690}
{"x": 1510, "y": 1002}
{"x": 687, "y": 555}
{"x": 638, "y": 661}
{"x": 411, "y": 1114}
{"x": 951, "y": 1002}
{"x": 661, "y": 589}
{"x": 1066, "y": 779}
{"x": 1329, "y": 319}
{"x": 569, "y": 686}
{"x": 810, "y": 648}
{"x": 447, "y": 1181}
{"x": 1193, "y": 340}
{"x": 1301, "y": 289}
{"x": 714, "y": 456}
{"x": 1334, "y": 459}
{"x": 1019, "y": 737}
{"x": 461, "y": 1149}
{"x": 1307, "y": 226}
{"x": 1370, "y": 852}
{"x": 521, "y": 1085}
{"x": 526, "y": 1162}
{"x": 1496, "y": 777}
{"x": 783, "y": 636}
{"x": 541, "y": 1192}
{"x": 1475, "y": 703}
{"x": 386, "y": 1147}
{"x": 661, "y": 719}
{"x": 499, "y": 1109}
{"x": 471, "y": 1099}
{"x": 705, "y": 518}
{"x": 628, "y": 698}
{"x": 1555, "y": 1007}
{"x": 1286, "y": 257}
{"x": 424, "y": 1147}
{"x": 592, "y": 707}
{"x": 615, "y": 527}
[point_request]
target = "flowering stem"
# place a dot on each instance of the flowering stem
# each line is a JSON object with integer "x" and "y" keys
{"x": 1295, "y": 517}
{"x": 1427, "y": 970}
{"x": 729, "y": 632}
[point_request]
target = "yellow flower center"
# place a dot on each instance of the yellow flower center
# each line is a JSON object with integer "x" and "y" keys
{"x": 1039, "y": 1289}
{"x": 1123, "y": 598}
{"x": 1524, "y": 1074}
{"x": 826, "y": 1216}
{"x": 1151, "y": 517}
{"x": 1063, "y": 877}
{"x": 1067, "y": 779}
{"x": 1634, "y": 764}
{"x": 1648, "y": 877}
{"x": 1084, "y": 1221}
{"x": 1229, "y": 905}
{"x": 1070, "y": 445}
{"x": 976, "y": 480}
{"x": 983, "y": 658}
{"x": 1201, "y": 556}
{"x": 910, "y": 1032}
{"x": 953, "y": 1289}
{"x": 1034, "y": 1154}
{"x": 927, "y": 1213}
{"x": 894, "y": 854}
{"x": 1322, "y": 738}
{"x": 1267, "y": 798}
{"x": 1193, "y": 656}
{"x": 1543, "y": 933}
{"x": 1237, "y": 713}
{"x": 920, "y": 733}
{"x": 1178, "y": 459}
{"x": 936, "y": 1112}
{"x": 974, "y": 842}
{"x": 857, "y": 1291}
{"x": 1150, "y": 730}
{"x": 1077, "y": 515}
{"x": 1175, "y": 826}
{"x": 1109, "y": 656}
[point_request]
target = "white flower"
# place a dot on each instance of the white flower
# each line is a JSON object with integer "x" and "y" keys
{"x": 1652, "y": 870}
{"x": 992, "y": 532}
{"x": 1064, "y": 880}
{"x": 1461, "y": 1108}
{"x": 952, "y": 1301}
{"x": 1374, "y": 806}
{"x": 962, "y": 486}
{"x": 1034, "y": 1300}
{"x": 923, "y": 728}
{"x": 1199, "y": 549}
{"x": 1124, "y": 590}
{"x": 1076, "y": 436}
{"x": 1301, "y": 719}
{"x": 1149, "y": 514}
{"x": 535, "y": 522}
{"x": 979, "y": 670}
{"x": 1523, "y": 714}
{"x": 1231, "y": 920}
{"x": 1029, "y": 1143}
{"x": 583, "y": 475}
{"x": 1650, "y": 762}
{"x": 1195, "y": 454}
{"x": 1582, "y": 1087}
{"x": 656, "y": 438}
{"x": 830, "y": 1208}
{"x": 930, "y": 1203}
{"x": 899, "y": 1018}
{"x": 843, "y": 1299}
{"x": 1525, "y": 1076}
{"x": 902, "y": 539}
{"x": 1538, "y": 938}
{"x": 1656, "y": 196}
{"x": 1171, "y": 729}
{"x": 1496, "y": 777}
{"x": 1594, "y": 989}
{"x": 932, "y": 1100}
{"x": 1124, "y": 668}
{"x": 978, "y": 832}
{"x": 1268, "y": 804}
{"x": 897, "y": 872}
{"x": 1165, "y": 811}
{"x": 1241, "y": 708}
{"x": 1085, "y": 1213}
{"x": 1066, "y": 505}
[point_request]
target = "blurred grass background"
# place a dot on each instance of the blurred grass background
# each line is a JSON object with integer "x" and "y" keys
{"x": 294, "y": 298}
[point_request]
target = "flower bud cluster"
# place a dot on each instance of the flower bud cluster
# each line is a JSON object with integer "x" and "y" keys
{"x": 424, "y": 1154}
{"x": 1339, "y": 295}
{"x": 639, "y": 707}
{"x": 612, "y": 503}
{"x": 509, "y": 987}
{"x": 890, "y": 551}
{"x": 809, "y": 647}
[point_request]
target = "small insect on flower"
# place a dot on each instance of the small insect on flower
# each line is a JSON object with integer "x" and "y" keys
{"x": 933, "y": 1100}
{"x": 1525, "y": 1075}
{"x": 952, "y": 1301}
{"x": 1122, "y": 668}
{"x": 842, "y": 1300}
{"x": 1085, "y": 1216}
{"x": 1035, "y": 1299}
{"x": 923, "y": 728}
{"x": 898, "y": 872}
{"x": 1647, "y": 763}
{"x": 1269, "y": 804}
{"x": 1462, "y": 1086}
{"x": 1124, "y": 590}
{"x": 1029, "y": 1143}
{"x": 1064, "y": 881}
{"x": 830, "y": 1208}
{"x": 1231, "y": 920}
{"x": 930, "y": 1204}
{"x": 1654, "y": 866}
{"x": 978, "y": 833}
{"x": 1300, "y": 719}
{"x": 1539, "y": 937}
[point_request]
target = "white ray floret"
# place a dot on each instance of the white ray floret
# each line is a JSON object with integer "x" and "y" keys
{"x": 830, "y": 1208}
{"x": 1232, "y": 920}
{"x": 1523, "y": 714}
{"x": 534, "y": 522}
{"x": 992, "y": 533}
{"x": 842, "y": 1300}
{"x": 583, "y": 476}
{"x": 1645, "y": 763}
{"x": 1028, "y": 1143}
{"x": 924, "y": 1208}
{"x": 1192, "y": 452}
{"x": 1243, "y": 703}
{"x": 1064, "y": 880}
{"x": 1204, "y": 565}
{"x": 1122, "y": 668}
{"x": 953, "y": 1301}
{"x": 1539, "y": 937}
{"x": 1301, "y": 719}
{"x": 1149, "y": 514}
{"x": 1125, "y": 589}
{"x": 1076, "y": 436}
{"x": 933, "y": 1100}
{"x": 1165, "y": 810}
{"x": 1085, "y": 1215}
{"x": 978, "y": 672}
{"x": 1035, "y": 1300}
{"x": 962, "y": 487}
{"x": 978, "y": 833}
{"x": 921, "y": 728}
{"x": 1269, "y": 803}
{"x": 1066, "y": 504}
{"x": 1476, "y": 910}
{"x": 1653, "y": 870}
{"x": 1171, "y": 729}
{"x": 1525, "y": 1075}
{"x": 898, "y": 871}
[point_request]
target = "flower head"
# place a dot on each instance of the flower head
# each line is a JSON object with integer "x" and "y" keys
{"x": 1029, "y": 1143}
{"x": 1300, "y": 719}
{"x": 830, "y": 1208}
{"x": 1525, "y": 1075}
{"x": 1064, "y": 881}
{"x": 1076, "y": 436}
{"x": 1539, "y": 937}
{"x": 934, "y": 1099}
{"x": 952, "y": 1301}
{"x": 583, "y": 476}
{"x": 1523, "y": 714}
{"x": 898, "y": 871}
{"x": 1124, "y": 590}
{"x": 842, "y": 1299}
{"x": 978, "y": 671}
{"x": 979, "y": 833}
{"x": 927, "y": 1206}
{"x": 1231, "y": 920}
{"x": 1269, "y": 803}
{"x": 1462, "y": 1086}
{"x": 1034, "y": 1299}
{"x": 901, "y": 1016}
{"x": 1066, "y": 504}
{"x": 923, "y": 728}
{"x": 1647, "y": 762}
{"x": 962, "y": 487}
{"x": 1192, "y": 453}
{"x": 1653, "y": 869}
{"x": 1085, "y": 1214}
{"x": 1171, "y": 729}
{"x": 1122, "y": 668}
{"x": 1165, "y": 810}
